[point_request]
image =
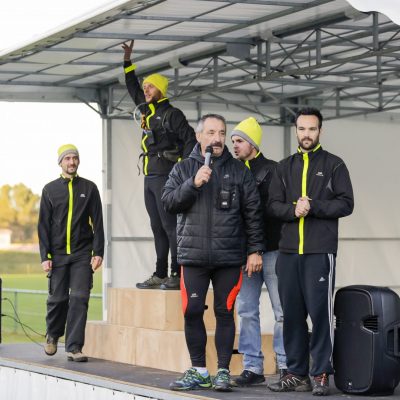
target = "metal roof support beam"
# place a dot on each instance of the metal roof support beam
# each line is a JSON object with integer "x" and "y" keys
{"x": 215, "y": 71}
{"x": 286, "y": 140}
{"x": 69, "y": 33}
{"x": 299, "y": 71}
{"x": 176, "y": 79}
{"x": 358, "y": 113}
{"x": 318, "y": 57}
{"x": 169, "y": 38}
{"x": 43, "y": 93}
{"x": 376, "y": 47}
{"x": 375, "y": 31}
{"x": 337, "y": 97}
{"x": 107, "y": 206}
{"x": 290, "y": 106}
{"x": 259, "y": 59}
{"x": 203, "y": 38}
{"x": 184, "y": 19}
{"x": 280, "y": 3}
{"x": 267, "y": 57}
{"x": 195, "y": 16}
{"x": 338, "y": 40}
{"x": 198, "y": 108}
{"x": 287, "y": 119}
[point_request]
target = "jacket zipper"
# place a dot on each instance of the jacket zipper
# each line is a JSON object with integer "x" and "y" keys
{"x": 303, "y": 194}
{"x": 210, "y": 202}
{"x": 69, "y": 218}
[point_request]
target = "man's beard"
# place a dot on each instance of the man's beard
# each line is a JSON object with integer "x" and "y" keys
{"x": 71, "y": 170}
{"x": 244, "y": 155}
{"x": 312, "y": 145}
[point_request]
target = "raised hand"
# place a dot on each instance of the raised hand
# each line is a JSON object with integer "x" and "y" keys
{"x": 128, "y": 48}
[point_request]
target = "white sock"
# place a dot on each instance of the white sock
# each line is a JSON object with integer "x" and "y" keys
{"x": 202, "y": 371}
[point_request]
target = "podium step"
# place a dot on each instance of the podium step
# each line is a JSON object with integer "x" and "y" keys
{"x": 159, "y": 349}
{"x": 110, "y": 342}
{"x": 145, "y": 328}
{"x": 152, "y": 309}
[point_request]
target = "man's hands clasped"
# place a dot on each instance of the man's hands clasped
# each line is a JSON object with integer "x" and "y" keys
{"x": 302, "y": 207}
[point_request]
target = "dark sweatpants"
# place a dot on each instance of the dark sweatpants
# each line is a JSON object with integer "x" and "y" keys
{"x": 194, "y": 286}
{"x": 67, "y": 303}
{"x": 306, "y": 284}
{"x": 163, "y": 225}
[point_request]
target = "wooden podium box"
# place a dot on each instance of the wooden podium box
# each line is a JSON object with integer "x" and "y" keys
{"x": 145, "y": 327}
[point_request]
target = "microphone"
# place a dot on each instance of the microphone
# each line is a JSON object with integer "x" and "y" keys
{"x": 207, "y": 157}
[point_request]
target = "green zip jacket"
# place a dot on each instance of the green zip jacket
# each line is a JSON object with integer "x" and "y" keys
{"x": 70, "y": 220}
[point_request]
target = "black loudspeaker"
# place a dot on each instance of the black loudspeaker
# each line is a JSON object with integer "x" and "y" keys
{"x": 366, "y": 355}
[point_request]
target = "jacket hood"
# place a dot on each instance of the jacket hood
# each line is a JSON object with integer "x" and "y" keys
{"x": 196, "y": 154}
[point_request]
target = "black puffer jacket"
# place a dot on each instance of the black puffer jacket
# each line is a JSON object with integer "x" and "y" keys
{"x": 209, "y": 235}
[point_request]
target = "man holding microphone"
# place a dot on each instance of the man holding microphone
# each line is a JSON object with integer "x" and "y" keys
{"x": 219, "y": 230}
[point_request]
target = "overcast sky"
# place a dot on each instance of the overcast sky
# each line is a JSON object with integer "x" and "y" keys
{"x": 30, "y": 133}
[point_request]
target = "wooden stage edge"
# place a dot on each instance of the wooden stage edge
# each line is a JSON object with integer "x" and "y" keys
{"x": 140, "y": 381}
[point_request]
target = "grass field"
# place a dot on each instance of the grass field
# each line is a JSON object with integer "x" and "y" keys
{"x": 12, "y": 262}
{"x": 31, "y": 308}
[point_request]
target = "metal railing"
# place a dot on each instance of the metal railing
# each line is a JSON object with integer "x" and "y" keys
{"x": 18, "y": 292}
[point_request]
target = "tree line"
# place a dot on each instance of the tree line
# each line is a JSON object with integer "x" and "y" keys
{"x": 19, "y": 211}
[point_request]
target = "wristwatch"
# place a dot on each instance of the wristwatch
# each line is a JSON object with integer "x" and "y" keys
{"x": 259, "y": 252}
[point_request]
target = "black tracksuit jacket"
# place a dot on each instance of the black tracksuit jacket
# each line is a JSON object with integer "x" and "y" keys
{"x": 70, "y": 220}
{"x": 324, "y": 178}
{"x": 168, "y": 124}
{"x": 208, "y": 235}
{"x": 263, "y": 170}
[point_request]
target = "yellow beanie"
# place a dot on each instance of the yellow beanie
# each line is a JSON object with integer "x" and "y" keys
{"x": 250, "y": 130}
{"x": 66, "y": 149}
{"x": 159, "y": 81}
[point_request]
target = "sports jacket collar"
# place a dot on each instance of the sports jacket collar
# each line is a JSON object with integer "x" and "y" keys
{"x": 311, "y": 154}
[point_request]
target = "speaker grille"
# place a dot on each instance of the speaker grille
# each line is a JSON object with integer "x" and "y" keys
{"x": 371, "y": 323}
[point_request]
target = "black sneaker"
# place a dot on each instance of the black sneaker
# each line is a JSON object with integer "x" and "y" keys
{"x": 154, "y": 282}
{"x": 291, "y": 383}
{"x": 222, "y": 381}
{"x": 320, "y": 385}
{"x": 50, "y": 347}
{"x": 248, "y": 378}
{"x": 172, "y": 283}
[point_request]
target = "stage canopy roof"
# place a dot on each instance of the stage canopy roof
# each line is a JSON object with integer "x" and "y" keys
{"x": 267, "y": 57}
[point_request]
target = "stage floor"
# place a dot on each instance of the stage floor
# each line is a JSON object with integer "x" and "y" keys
{"x": 141, "y": 381}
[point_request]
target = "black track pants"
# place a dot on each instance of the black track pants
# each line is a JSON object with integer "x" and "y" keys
{"x": 163, "y": 225}
{"x": 194, "y": 286}
{"x": 306, "y": 284}
{"x": 67, "y": 303}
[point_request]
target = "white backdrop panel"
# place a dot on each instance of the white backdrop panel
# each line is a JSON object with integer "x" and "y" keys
{"x": 129, "y": 214}
{"x": 133, "y": 261}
